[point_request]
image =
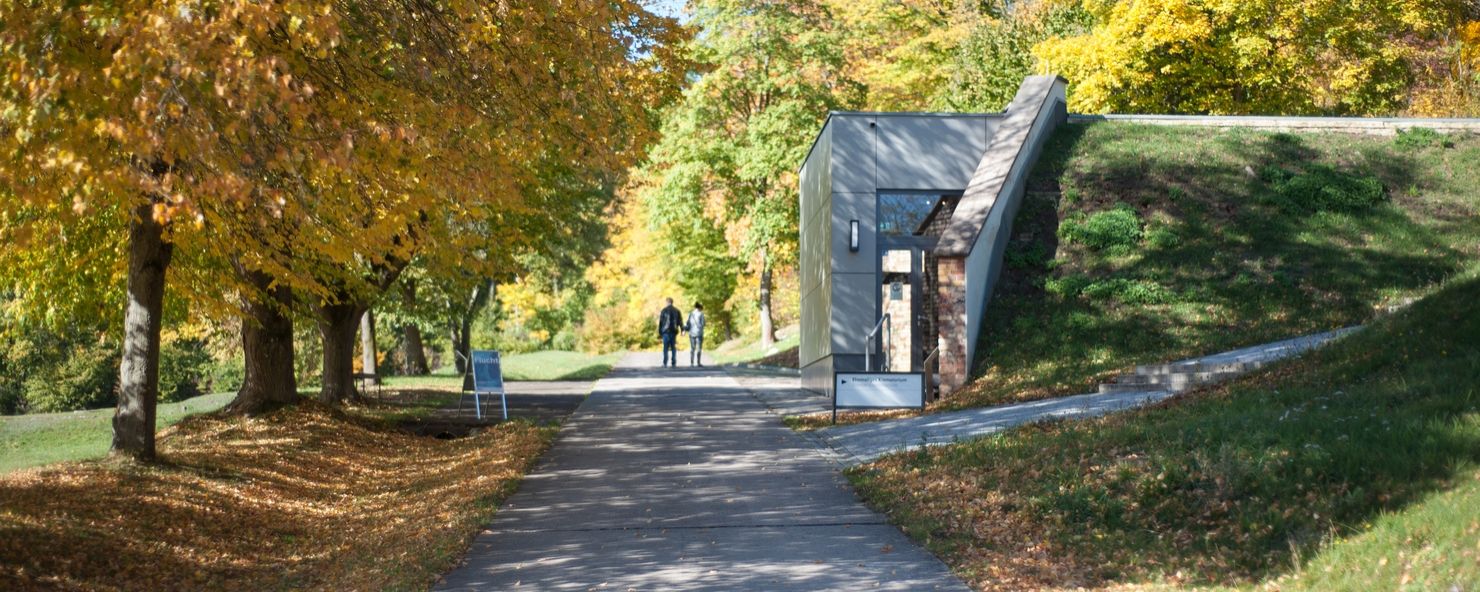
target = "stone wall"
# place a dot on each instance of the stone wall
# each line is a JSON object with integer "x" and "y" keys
{"x": 951, "y": 310}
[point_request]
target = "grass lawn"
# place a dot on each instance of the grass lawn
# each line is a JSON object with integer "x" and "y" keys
{"x": 558, "y": 365}
{"x": 45, "y": 438}
{"x": 1355, "y": 468}
{"x": 306, "y": 497}
{"x": 1140, "y": 244}
{"x": 533, "y": 366}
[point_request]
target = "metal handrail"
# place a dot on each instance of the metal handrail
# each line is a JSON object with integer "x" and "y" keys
{"x": 868, "y": 344}
{"x": 930, "y": 359}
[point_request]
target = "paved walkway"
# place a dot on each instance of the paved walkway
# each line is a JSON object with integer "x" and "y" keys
{"x": 679, "y": 479}
{"x": 860, "y": 443}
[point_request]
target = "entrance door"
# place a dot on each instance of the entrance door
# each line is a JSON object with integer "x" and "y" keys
{"x": 909, "y": 225}
{"x": 907, "y": 296}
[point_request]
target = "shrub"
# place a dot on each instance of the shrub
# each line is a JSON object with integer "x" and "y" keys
{"x": 226, "y": 375}
{"x": 1421, "y": 137}
{"x": 1068, "y": 286}
{"x": 1127, "y": 291}
{"x": 1321, "y": 188}
{"x": 184, "y": 369}
{"x": 1116, "y": 228}
{"x": 1031, "y": 256}
{"x": 1163, "y": 237}
{"x": 86, "y": 379}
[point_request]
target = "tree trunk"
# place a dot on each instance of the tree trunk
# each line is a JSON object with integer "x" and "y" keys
{"x": 138, "y": 380}
{"x": 412, "y": 351}
{"x": 337, "y": 324}
{"x": 267, "y": 344}
{"x": 462, "y": 333}
{"x": 768, "y": 325}
{"x": 457, "y": 350}
{"x": 369, "y": 362}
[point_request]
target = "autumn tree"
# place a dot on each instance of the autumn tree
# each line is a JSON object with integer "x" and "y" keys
{"x": 1338, "y": 57}
{"x": 296, "y": 153}
{"x": 137, "y": 108}
{"x": 771, "y": 71}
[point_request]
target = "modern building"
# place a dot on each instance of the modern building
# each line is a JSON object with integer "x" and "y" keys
{"x": 904, "y": 217}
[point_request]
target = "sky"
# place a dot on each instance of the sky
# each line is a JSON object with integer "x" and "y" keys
{"x": 673, "y": 8}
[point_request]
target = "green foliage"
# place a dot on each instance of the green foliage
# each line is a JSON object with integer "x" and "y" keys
{"x": 994, "y": 58}
{"x": 1323, "y": 188}
{"x": 1163, "y": 237}
{"x": 721, "y": 193}
{"x": 1127, "y": 291}
{"x": 86, "y": 377}
{"x": 184, "y": 370}
{"x": 1114, "y": 289}
{"x": 1027, "y": 256}
{"x": 1421, "y": 137}
{"x": 1115, "y": 229}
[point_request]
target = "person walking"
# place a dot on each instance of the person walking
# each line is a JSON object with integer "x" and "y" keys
{"x": 695, "y": 328}
{"x": 670, "y": 321}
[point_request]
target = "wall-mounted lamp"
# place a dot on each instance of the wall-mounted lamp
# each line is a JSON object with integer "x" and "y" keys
{"x": 853, "y": 236}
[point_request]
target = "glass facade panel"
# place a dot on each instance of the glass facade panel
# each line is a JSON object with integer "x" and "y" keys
{"x": 900, "y": 214}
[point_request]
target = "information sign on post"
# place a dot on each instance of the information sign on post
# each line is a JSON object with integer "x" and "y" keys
{"x": 488, "y": 379}
{"x": 877, "y": 390}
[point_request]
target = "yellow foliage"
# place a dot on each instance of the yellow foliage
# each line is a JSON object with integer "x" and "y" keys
{"x": 1469, "y": 38}
{"x": 1235, "y": 57}
{"x": 630, "y": 282}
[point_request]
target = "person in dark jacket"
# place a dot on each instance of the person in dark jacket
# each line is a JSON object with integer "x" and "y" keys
{"x": 670, "y": 322}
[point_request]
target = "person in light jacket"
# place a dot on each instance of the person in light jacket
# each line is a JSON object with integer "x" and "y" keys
{"x": 695, "y": 328}
{"x": 670, "y": 322}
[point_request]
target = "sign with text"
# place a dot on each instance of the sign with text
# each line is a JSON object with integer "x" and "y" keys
{"x": 488, "y": 378}
{"x": 878, "y": 390}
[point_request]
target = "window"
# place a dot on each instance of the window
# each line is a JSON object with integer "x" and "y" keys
{"x": 901, "y": 214}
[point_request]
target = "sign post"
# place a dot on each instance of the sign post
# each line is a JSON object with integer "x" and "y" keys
{"x": 488, "y": 378}
{"x": 877, "y": 390}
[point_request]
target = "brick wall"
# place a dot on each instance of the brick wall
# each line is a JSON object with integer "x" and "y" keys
{"x": 951, "y": 308}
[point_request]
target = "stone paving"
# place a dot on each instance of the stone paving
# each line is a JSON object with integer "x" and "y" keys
{"x": 680, "y": 479}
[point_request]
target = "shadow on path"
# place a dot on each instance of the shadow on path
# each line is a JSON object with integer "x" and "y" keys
{"x": 679, "y": 479}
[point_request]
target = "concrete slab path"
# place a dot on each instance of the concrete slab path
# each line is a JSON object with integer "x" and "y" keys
{"x": 680, "y": 479}
{"x": 860, "y": 443}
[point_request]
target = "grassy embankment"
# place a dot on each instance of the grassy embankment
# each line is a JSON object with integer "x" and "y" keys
{"x": 302, "y": 498}
{"x": 1354, "y": 468}
{"x": 747, "y": 350}
{"x": 1141, "y": 244}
